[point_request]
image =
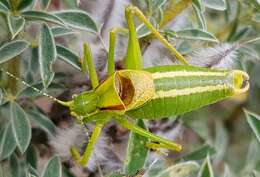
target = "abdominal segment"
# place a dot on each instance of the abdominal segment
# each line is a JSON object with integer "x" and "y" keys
{"x": 182, "y": 89}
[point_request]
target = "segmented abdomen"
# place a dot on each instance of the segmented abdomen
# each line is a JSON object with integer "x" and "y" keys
{"x": 180, "y": 89}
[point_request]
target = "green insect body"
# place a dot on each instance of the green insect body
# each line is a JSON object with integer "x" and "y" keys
{"x": 160, "y": 91}
{"x": 151, "y": 93}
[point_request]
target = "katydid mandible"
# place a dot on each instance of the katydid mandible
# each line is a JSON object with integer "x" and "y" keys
{"x": 151, "y": 93}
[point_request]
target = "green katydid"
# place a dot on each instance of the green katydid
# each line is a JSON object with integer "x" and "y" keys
{"x": 151, "y": 93}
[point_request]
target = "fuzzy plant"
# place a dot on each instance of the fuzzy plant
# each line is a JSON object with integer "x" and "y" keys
{"x": 41, "y": 54}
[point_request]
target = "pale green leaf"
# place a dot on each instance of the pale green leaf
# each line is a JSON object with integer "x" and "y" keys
{"x": 45, "y": 4}
{"x": 23, "y": 4}
{"x": 14, "y": 166}
{"x": 58, "y": 31}
{"x": 3, "y": 96}
{"x": 196, "y": 34}
{"x": 21, "y": 127}
{"x": 30, "y": 93}
{"x": 77, "y": 19}
{"x": 3, "y": 8}
{"x": 8, "y": 142}
{"x": 12, "y": 49}
{"x": 143, "y": 31}
{"x": 33, "y": 171}
{"x": 254, "y": 122}
{"x": 206, "y": 169}
{"x": 228, "y": 172}
{"x": 221, "y": 142}
{"x": 200, "y": 153}
{"x": 47, "y": 54}
{"x": 136, "y": 151}
{"x": 52, "y": 168}
{"x": 6, "y": 3}
{"x": 184, "y": 169}
{"x": 253, "y": 155}
{"x": 199, "y": 4}
{"x": 216, "y": 4}
{"x": 68, "y": 56}
{"x": 256, "y": 17}
{"x": 15, "y": 24}
{"x": 31, "y": 156}
{"x": 42, "y": 16}
{"x": 43, "y": 121}
{"x": 200, "y": 16}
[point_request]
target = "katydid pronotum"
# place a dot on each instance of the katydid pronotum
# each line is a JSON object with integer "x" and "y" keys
{"x": 151, "y": 93}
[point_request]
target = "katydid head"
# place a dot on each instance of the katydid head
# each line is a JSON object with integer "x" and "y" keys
{"x": 84, "y": 104}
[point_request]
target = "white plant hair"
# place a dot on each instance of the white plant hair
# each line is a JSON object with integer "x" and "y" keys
{"x": 77, "y": 136}
{"x": 220, "y": 56}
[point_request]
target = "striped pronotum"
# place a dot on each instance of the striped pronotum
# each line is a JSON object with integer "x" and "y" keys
{"x": 180, "y": 89}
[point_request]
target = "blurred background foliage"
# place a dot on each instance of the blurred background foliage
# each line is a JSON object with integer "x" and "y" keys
{"x": 40, "y": 42}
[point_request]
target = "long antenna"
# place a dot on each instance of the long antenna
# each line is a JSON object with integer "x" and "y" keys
{"x": 68, "y": 104}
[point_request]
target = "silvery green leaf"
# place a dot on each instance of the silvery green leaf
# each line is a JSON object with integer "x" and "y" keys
{"x": 6, "y": 3}
{"x": 3, "y": 8}
{"x": 184, "y": 169}
{"x": 15, "y": 24}
{"x": 33, "y": 171}
{"x": 23, "y": 4}
{"x": 61, "y": 31}
{"x": 136, "y": 151}
{"x": 52, "y": 168}
{"x": 8, "y": 142}
{"x": 68, "y": 56}
{"x": 200, "y": 17}
{"x": 196, "y": 34}
{"x": 15, "y": 168}
{"x": 77, "y": 19}
{"x": 216, "y": 4}
{"x": 221, "y": 142}
{"x": 12, "y": 49}
{"x": 256, "y": 17}
{"x": 228, "y": 172}
{"x": 21, "y": 127}
{"x": 45, "y": 4}
{"x": 43, "y": 122}
{"x": 143, "y": 31}
{"x": 30, "y": 93}
{"x": 42, "y": 16}
{"x": 200, "y": 153}
{"x": 253, "y": 155}
{"x": 47, "y": 54}
{"x": 240, "y": 33}
{"x": 206, "y": 169}
{"x": 31, "y": 156}
{"x": 254, "y": 122}
{"x": 199, "y": 4}
{"x": 250, "y": 53}
{"x": 3, "y": 96}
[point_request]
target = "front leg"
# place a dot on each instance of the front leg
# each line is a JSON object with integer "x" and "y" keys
{"x": 83, "y": 160}
{"x": 112, "y": 44}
